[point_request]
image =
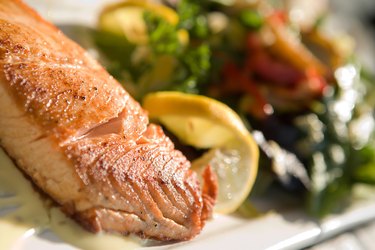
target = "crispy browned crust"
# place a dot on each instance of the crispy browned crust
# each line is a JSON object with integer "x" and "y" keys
{"x": 58, "y": 108}
{"x": 53, "y": 78}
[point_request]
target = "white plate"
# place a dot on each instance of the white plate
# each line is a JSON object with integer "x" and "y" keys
{"x": 287, "y": 230}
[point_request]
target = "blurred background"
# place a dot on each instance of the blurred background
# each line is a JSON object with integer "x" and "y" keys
{"x": 356, "y": 17}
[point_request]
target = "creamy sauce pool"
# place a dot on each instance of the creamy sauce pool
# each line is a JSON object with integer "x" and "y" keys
{"x": 23, "y": 213}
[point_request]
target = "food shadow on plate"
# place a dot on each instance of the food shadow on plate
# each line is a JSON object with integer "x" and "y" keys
{"x": 48, "y": 235}
{"x": 275, "y": 201}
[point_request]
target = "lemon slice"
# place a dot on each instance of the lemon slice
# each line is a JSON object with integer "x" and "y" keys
{"x": 126, "y": 19}
{"x": 203, "y": 122}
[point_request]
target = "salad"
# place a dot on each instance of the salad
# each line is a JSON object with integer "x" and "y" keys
{"x": 296, "y": 85}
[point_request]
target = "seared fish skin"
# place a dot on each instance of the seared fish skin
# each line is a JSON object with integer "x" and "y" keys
{"x": 86, "y": 143}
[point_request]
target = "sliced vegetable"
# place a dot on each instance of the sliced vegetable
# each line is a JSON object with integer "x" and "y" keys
{"x": 203, "y": 122}
{"x": 126, "y": 19}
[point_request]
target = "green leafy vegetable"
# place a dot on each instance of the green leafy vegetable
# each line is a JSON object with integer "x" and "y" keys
{"x": 168, "y": 60}
{"x": 365, "y": 158}
{"x": 193, "y": 60}
{"x": 251, "y": 19}
{"x": 163, "y": 36}
{"x": 192, "y": 17}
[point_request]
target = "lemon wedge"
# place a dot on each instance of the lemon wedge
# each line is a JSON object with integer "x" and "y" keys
{"x": 203, "y": 122}
{"x": 126, "y": 19}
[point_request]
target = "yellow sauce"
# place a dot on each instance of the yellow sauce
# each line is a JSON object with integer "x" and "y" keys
{"x": 31, "y": 215}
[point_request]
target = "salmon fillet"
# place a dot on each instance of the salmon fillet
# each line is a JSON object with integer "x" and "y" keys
{"x": 86, "y": 143}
